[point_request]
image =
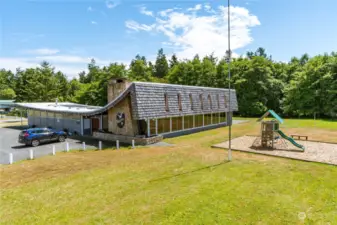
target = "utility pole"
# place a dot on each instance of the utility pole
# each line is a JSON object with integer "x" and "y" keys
{"x": 229, "y": 86}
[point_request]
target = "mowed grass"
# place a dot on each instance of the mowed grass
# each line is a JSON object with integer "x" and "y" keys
{"x": 12, "y": 124}
{"x": 329, "y": 124}
{"x": 189, "y": 183}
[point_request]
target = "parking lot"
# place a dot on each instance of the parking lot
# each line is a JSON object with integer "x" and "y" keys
{"x": 9, "y": 144}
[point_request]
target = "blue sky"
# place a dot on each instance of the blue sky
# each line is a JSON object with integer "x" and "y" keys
{"x": 69, "y": 33}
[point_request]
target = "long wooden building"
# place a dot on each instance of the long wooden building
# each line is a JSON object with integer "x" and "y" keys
{"x": 140, "y": 111}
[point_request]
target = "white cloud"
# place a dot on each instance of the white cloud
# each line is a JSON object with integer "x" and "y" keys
{"x": 165, "y": 12}
{"x": 192, "y": 34}
{"x": 195, "y": 8}
{"x": 64, "y": 59}
{"x": 208, "y": 8}
{"x": 133, "y": 25}
{"x": 90, "y": 9}
{"x": 41, "y": 51}
{"x": 111, "y": 3}
{"x": 71, "y": 65}
{"x": 13, "y": 63}
{"x": 93, "y": 22}
{"x": 144, "y": 11}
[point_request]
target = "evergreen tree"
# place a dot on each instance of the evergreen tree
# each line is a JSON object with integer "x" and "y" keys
{"x": 173, "y": 61}
{"x": 161, "y": 65}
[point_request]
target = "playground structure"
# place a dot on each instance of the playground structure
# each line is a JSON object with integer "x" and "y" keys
{"x": 270, "y": 134}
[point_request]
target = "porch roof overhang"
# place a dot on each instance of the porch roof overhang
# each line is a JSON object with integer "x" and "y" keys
{"x": 73, "y": 108}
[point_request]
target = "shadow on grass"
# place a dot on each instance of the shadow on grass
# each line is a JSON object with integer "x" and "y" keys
{"x": 93, "y": 141}
{"x": 189, "y": 172}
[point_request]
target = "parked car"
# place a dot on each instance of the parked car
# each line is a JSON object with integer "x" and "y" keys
{"x": 35, "y": 136}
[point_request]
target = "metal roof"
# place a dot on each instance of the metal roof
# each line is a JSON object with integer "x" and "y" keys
{"x": 6, "y": 101}
{"x": 61, "y": 107}
{"x": 4, "y": 104}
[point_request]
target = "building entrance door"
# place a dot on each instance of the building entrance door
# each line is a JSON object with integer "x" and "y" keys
{"x": 86, "y": 127}
{"x": 95, "y": 124}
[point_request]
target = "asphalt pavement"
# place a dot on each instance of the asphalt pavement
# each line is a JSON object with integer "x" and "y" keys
{"x": 9, "y": 144}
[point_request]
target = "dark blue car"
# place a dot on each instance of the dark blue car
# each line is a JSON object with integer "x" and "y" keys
{"x": 35, "y": 136}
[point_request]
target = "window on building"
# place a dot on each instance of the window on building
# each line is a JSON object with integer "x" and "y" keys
{"x": 201, "y": 102}
{"x": 188, "y": 122}
{"x": 215, "y": 118}
{"x": 179, "y": 103}
{"x": 222, "y": 117}
{"x": 177, "y": 123}
{"x": 209, "y": 101}
{"x": 207, "y": 119}
{"x": 163, "y": 125}
{"x": 191, "y": 102}
{"x": 43, "y": 114}
{"x": 152, "y": 127}
{"x": 166, "y": 102}
{"x": 198, "y": 120}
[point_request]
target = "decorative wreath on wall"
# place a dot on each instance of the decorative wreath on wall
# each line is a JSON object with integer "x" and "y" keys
{"x": 120, "y": 117}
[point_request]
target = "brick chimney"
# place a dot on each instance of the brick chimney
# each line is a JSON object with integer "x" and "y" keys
{"x": 117, "y": 86}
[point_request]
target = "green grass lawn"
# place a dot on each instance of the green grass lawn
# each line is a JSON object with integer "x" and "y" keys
{"x": 311, "y": 124}
{"x": 10, "y": 124}
{"x": 189, "y": 183}
{"x": 305, "y": 123}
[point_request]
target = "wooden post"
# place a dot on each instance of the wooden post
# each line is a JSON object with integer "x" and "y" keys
{"x": 170, "y": 124}
{"x": 183, "y": 125}
{"x": 133, "y": 143}
{"x": 83, "y": 146}
{"x": 117, "y": 144}
{"x": 156, "y": 126}
{"x": 148, "y": 128}
{"x": 101, "y": 122}
{"x": 53, "y": 151}
{"x": 100, "y": 145}
{"x": 67, "y": 147}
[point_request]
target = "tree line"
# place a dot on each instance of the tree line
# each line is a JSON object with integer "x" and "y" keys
{"x": 302, "y": 87}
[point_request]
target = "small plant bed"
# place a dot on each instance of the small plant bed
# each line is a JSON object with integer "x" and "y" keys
{"x": 314, "y": 151}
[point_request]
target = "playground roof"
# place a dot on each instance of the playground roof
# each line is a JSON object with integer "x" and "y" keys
{"x": 274, "y": 114}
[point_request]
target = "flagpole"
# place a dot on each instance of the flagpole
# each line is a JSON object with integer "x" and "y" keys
{"x": 229, "y": 86}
